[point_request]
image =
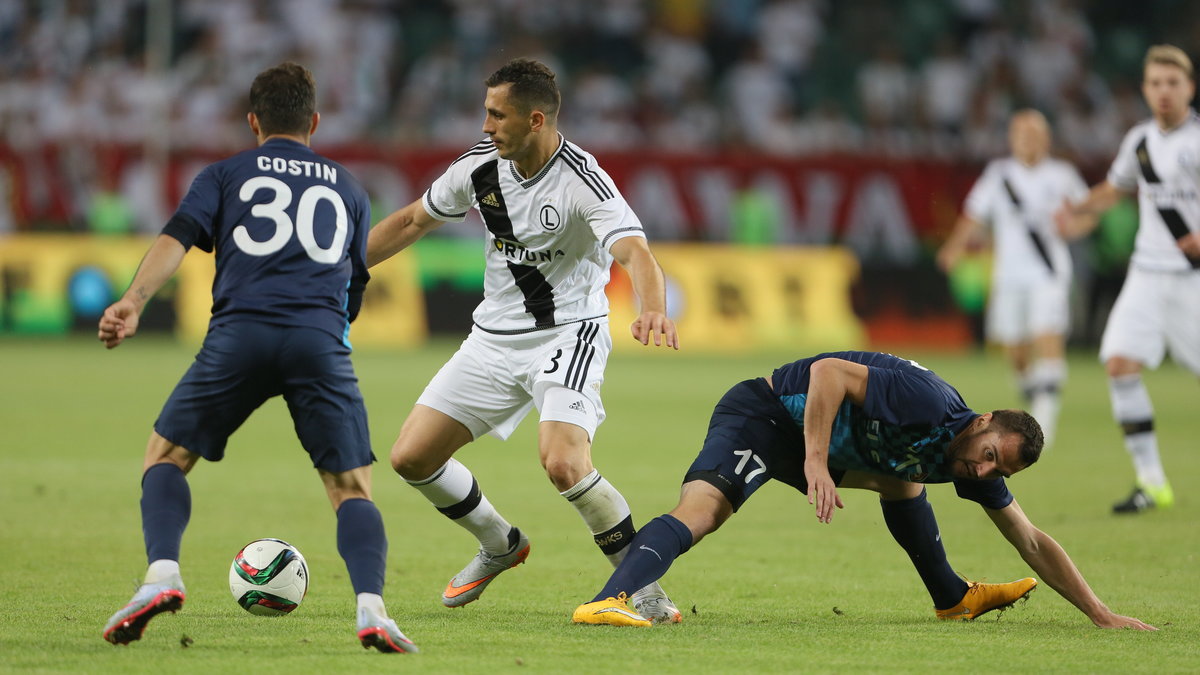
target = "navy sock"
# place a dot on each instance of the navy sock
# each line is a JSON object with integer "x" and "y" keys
{"x": 912, "y": 524}
{"x": 166, "y": 508}
{"x": 362, "y": 542}
{"x": 651, "y": 553}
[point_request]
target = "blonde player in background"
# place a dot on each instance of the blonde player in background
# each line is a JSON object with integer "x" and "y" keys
{"x": 1031, "y": 279}
{"x": 1159, "y": 304}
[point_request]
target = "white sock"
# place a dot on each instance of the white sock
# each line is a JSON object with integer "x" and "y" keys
{"x": 454, "y": 491}
{"x": 160, "y": 570}
{"x": 605, "y": 512}
{"x": 1048, "y": 377}
{"x": 1026, "y": 384}
{"x": 373, "y": 602}
{"x": 1134, "y": 412}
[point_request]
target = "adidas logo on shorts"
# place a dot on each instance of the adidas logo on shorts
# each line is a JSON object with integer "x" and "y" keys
{"x": 578, "y": 406}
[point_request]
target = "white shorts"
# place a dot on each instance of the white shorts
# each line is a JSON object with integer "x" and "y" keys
{"x": 1018, "y": 314}
{"x": 1155, "y": 311}
{"x": 492, "y": 381}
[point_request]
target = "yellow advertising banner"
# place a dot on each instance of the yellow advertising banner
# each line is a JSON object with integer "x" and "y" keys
{"x": 51, "y": 280}
{"x": 729, "y": 299}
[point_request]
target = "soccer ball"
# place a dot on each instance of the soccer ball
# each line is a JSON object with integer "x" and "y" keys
{"x": 268, "y": 577}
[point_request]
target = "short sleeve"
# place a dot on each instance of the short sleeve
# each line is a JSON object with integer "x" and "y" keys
{"x": 451, "y": 196}
{"x": 1125, "y": 171}
{"x": 201, "y": 204}
{"x": 992, "y": 494}
{"x": 611, "y": 221}
{"x": 981, "y": 199}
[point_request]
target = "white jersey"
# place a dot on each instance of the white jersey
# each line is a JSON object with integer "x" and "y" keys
{"x": 1164, "y": 168}
{"x": 1018, "y": 202}
{"x": 549, "y": 236}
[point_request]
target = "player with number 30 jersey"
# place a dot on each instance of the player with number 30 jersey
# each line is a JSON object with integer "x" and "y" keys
{"x": 289, "y": 230}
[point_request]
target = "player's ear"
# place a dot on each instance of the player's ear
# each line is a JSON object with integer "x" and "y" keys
{"x": 537, "y": 119}
{"x": 252, "y": 120}
{"x": 315, "y": 121}
{"x": 985, "y": 419}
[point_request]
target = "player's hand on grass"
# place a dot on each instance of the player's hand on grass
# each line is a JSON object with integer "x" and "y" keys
{"x": 656, "y": 325}
{"x": 821, "y": 490}
{"x": 1112, "y": 620}
{"x": 119, "y": 321}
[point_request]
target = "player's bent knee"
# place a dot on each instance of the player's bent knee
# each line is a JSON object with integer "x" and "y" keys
{"x": 1118, "y": 366}
{"x": 412, "y": 465}
{"x": 162, "y": 451}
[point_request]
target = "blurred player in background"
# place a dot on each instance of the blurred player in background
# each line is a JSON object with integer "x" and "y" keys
{"x": 555, "y": 222}
{"x": 1031, "y": 274}
{"x": 289, "y": 231}
{"x": 861, "y": 420}
{"x": 1159, "y": 305}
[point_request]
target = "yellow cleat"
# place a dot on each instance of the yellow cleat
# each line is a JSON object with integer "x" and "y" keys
{"x": 609, "y": 612}
{"x": 983, "y": 598}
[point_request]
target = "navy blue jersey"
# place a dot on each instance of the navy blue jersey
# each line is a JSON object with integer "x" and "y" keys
{"x": 903, "y": 428}
{"x": 289, "y": 229}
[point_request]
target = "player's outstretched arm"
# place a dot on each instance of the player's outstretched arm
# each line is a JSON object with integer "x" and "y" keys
{"x": 965, "y": 229}
{"x": 1077, "y": 220}
{"x": 398, "y": 231}
{"x": 1055, "y": 567}
{"x": 120, "y": 319}
{"x": 633, "y": 253}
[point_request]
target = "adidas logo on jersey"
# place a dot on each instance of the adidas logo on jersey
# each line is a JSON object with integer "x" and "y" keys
{"x": 578, "y": 406}
{"x": 490, "y": 200}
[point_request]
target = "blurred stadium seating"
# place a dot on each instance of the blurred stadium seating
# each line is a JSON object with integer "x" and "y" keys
{"x": 764, "y": 121}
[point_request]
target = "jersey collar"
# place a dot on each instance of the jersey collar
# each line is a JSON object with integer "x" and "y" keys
{"x": 512, "y": 167}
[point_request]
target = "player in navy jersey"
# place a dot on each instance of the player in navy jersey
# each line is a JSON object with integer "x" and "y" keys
{"x": 862, "y": 420}
{"x": 289, "y": 229}
{"x": 555, "y": 223}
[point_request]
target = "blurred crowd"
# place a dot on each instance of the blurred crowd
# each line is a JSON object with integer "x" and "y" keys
{"x": 905, "y": 78}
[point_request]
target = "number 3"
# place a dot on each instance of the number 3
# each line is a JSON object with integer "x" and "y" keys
{"x": 274, "y": 210}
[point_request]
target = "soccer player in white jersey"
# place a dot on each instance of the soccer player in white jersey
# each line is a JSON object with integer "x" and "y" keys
{"x": 1031, "y": 274}
{"x": 555, "y": 222}
{"x": 1159, "y": 305}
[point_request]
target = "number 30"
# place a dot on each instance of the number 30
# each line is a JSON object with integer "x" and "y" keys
{"x": 274, "y": 210}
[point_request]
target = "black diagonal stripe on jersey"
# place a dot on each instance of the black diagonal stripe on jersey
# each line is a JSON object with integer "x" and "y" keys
{"x": 1143, "y": 158}
{"x": 589, "y": 176}
{"x": 1179, "y": 230}
{"x": 1170, "y": 217}
{"x": 539, "y": 294}
{"x": 1038, "y": 244}
{"x": 486, "y": 180}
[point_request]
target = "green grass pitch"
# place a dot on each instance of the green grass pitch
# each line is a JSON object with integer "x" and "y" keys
{"x": 774, "y": 591}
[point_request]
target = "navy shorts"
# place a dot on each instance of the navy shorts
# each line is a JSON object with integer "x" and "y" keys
{"x": 244, "y": 363}
{"x": 751, "y": 439}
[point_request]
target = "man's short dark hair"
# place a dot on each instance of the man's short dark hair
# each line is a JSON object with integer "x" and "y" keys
{"x": 533, "y": 86}
{"x": 284, "y": 99}
{"x": 1022, "y": 423}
